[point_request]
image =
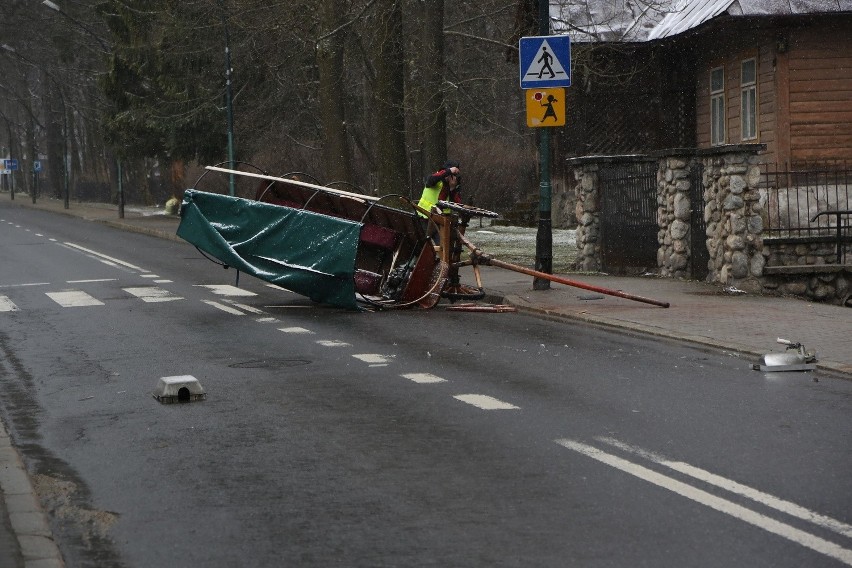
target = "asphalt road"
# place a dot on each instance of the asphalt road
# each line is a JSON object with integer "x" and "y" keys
{"x": 331, "y": 438}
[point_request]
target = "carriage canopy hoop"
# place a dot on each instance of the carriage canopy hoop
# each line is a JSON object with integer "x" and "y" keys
{"x": 305, "y": 252}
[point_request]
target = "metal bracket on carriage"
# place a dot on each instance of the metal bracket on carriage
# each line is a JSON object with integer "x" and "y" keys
{"x": 468, "y": 210}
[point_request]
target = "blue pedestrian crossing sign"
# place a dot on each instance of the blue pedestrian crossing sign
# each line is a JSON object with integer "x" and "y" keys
{"x": 545, "y": 61}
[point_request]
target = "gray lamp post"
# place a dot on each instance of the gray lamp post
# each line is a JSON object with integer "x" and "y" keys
{"x": 229, "y": 106}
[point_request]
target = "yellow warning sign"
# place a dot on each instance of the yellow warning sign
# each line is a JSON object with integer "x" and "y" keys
{"x": 545, "y": 107}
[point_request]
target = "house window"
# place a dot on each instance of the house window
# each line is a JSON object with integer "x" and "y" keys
{"x": 717, "y": 106}
{"x": 748, "y": 112}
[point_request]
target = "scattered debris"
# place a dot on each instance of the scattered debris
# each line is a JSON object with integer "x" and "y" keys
{"x": 585, "y": 297}
{"x": 799, "y": 360}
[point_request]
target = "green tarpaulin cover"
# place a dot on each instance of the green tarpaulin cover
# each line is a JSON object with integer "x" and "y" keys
{"x": 308, "y": 253}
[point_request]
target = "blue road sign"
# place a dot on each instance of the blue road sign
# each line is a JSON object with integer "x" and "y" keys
{"x": 37, "y": 166}
{"x": 11, "y": 164}
{"x": 545, "y": 61}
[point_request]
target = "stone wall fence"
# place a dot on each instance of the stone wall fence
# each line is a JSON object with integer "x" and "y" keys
{"x": 733, "y": 222}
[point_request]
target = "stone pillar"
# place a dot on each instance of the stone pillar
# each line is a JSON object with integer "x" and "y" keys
{"x": 587, "y": 211}
{"x": 673, "y": 217}
{"x": 733, "y": 216}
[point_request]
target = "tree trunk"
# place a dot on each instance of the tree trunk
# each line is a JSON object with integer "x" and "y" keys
{"x": 389, "y": 94}
{"x": 329, "y": 57}
{"x": 433, "y": 113}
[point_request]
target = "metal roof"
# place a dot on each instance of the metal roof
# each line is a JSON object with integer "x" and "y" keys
{"x": 589, "y": 21}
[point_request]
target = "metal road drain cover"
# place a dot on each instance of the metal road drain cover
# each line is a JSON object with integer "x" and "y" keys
{"x": 590, "y": 297}
{"x": 181, "y": 388}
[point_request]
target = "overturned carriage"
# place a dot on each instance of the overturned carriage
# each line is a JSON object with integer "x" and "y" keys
{"x": 333, "y": 246}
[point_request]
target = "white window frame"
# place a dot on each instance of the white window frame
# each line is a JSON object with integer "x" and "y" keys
{"x": 717, "y": 110}
{"x": 748, "y": 104}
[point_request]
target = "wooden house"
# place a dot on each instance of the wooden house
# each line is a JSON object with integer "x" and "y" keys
{"x": 649, "y": 76}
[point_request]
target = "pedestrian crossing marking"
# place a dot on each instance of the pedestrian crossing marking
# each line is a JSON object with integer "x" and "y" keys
{"x": 152, "y": 294}
{"x": 6, "y": 305}
{"x": 244, "y": 307}
{"x": 224, "y": 308}
{"x": 73, "y": 299}
{"x": 226, "y": 290}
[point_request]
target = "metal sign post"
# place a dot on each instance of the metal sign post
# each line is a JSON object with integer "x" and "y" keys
{"x": 545, "y": 65}
{"x": 36, "y": 170}
{"x": 11, "y": 165}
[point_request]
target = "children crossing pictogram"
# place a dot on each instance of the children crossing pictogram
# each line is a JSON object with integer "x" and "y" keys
{"x": 545, "y": 107}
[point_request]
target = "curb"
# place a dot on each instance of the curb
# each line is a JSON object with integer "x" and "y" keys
{"x": 29, "y": 523}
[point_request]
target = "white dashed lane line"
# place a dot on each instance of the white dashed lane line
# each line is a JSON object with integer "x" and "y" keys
{"x": 485, "y": 402}
{"x": 296, "y": 330}
{"x": 333, "y": 343}
{"x": 423, "y": 378}
{"x": 374, "y": 359}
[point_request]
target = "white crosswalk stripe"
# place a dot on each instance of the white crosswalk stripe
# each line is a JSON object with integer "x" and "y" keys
{"x": 73, "y": 299}
{"x": 152, "y": 294}
{"x": 6, "y": 305}
{"x": 226, "y": 290}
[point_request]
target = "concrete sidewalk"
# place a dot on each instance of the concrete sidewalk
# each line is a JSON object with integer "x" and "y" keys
{"x": 700, "y": 312}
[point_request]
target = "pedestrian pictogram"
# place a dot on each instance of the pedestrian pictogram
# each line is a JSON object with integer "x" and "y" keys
{"x": 545, "y": 61}
{"x": 545, "y": 107}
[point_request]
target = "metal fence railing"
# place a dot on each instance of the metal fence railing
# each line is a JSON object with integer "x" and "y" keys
{"x": 793, "y": 196}
{"x": 809, "y": 202}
